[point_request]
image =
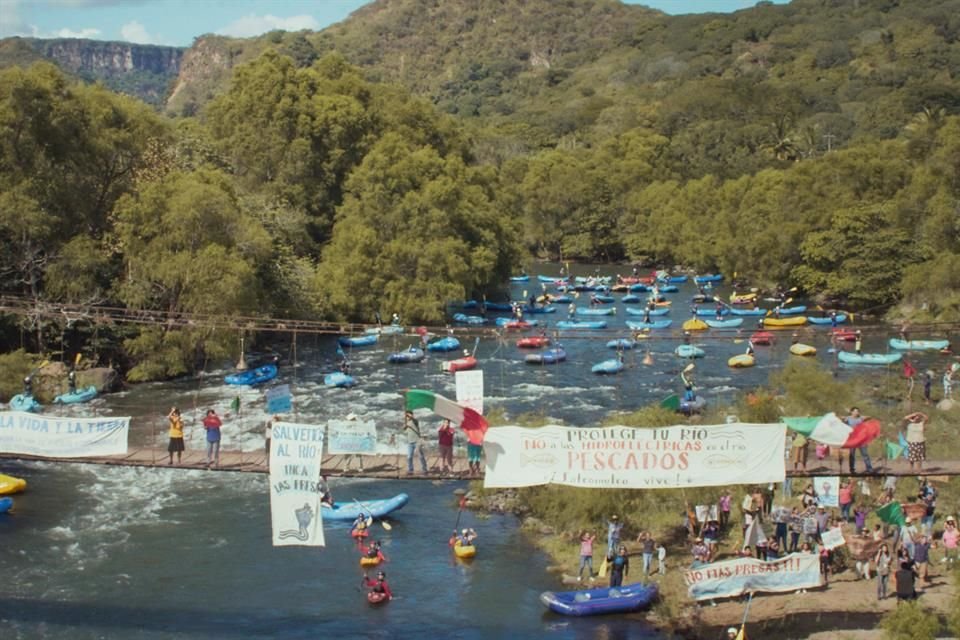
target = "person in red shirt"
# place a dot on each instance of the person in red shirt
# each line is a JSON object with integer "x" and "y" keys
{"x": 379, "y": 585}
{"x": 212, "y": 424}
{"x": 373, "y": 551}
{"x": 445, "y": 444}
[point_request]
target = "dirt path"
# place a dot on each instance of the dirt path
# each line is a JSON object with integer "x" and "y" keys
{"x": 846, "y": 604}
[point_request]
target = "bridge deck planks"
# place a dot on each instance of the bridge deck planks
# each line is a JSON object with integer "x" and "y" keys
{"x": 394, "y": 465}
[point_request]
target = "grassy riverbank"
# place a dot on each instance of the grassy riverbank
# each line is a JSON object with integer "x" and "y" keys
{"x": 554, "y": 515}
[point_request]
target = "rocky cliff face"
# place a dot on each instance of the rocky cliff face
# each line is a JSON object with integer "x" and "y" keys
{"x": 105, "y": 59}
{"x": 143, "y": 71}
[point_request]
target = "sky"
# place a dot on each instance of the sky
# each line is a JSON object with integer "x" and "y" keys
{"x": 178, "y": 22}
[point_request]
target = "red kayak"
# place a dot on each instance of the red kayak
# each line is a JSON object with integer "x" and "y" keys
{"x": 376, "y": 597}
{"x": 518, "y": 324}
{"x": 460, "y": 364}
{"x": 847, "y": 335}
{"x": 764, "y": 338}
{"x": 535, "y": 342}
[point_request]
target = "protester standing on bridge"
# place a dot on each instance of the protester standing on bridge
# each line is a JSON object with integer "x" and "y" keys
{"x": 411, "y": 429}
{"x": 176, "y": 435}
{"x": 445, "y": 444}
{"x": 916, "y": 424}
{"x": 212, "y": 424}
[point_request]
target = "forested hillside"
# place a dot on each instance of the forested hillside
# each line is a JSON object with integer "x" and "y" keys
{"x": 419, "y": 152}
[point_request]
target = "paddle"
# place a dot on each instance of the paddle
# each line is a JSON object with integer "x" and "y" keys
{"x": 386, "y": 525}
{"x": 780, "y": 306}
{"x": 690, "y": 367}
{"x": 476, "y": 344}
{"x": 76, "y": 361}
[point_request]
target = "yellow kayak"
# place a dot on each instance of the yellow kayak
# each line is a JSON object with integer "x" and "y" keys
{"x": 369, "y": 562}
{"x": 803, "y": 350}
{"x": 778, "y": 323}
{"x": 464, "y": 551}
{"x": 741, "y": 361}
{"x": 9, "y": 484}
{"x": 695, "y": 324}
{"x": 742, "y": 298}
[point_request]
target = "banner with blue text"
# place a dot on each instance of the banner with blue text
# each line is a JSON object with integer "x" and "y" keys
{"x": 39, "y": 435}
{"x": 629, "y": 458}
{"x": 745, "y": 575}
{"x": 295, "y": 490}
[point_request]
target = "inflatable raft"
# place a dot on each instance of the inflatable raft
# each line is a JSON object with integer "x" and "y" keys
{"x": 695, "y": 324}
{"x": 741, "y": 361}
{"x": 918, "y": 345}
{"x": 464, "y": 551}
{"x": 413, "y": 354}
{"x": 448, "y": 343}
{"x": 253, "y": 376}
{"x": 6, "y": 504}
{"x": 21, "y": 402}
{"x": 460, "y": 364}
{"x": 339, "y": 379}
{"x": 611, "y": 366}
{"x": 10, "y": 484}
{"x": 591, "y": 602}
{"x": 366, "y": 340}
{"x": 800, "y": 349}
{"x": 848, "y": 357}
{"x": 84, "y": 395}
{"x": 689, "y": 351}
{"x": 656, "y": 324}
{"x": 533, "y": 342}
{"x": 724, "y": 324}
{"x": 348, "y": 511}
{"x": 550, "y": 356}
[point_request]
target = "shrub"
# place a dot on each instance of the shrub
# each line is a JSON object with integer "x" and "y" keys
{"x": 910, "y": 621}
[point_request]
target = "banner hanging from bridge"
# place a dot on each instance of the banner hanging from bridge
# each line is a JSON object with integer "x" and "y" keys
{"x": 629, "y": 458}
{"x": 351, "y": 437}
{"x": 745, "y": 575}
{"x": 39, "y": 435}
{"x": 295, "y": 454}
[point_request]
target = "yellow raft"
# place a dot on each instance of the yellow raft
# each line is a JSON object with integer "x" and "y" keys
{"x": 369, "y": 562}
{"x": 9, "y": 484}
{"x": 695, "y": 324}
{"x": 779, "y": 323}
{"x": 803, "y": 350}
{"x": 742, "y": 361}
{"x": 462, "y": 551}
{"x": 742, "y": 298}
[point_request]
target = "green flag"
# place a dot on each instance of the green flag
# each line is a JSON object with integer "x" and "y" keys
{"x": 892, "y": 513}
{"x": 235, "y": 405}
{"x": 893, "y": 450}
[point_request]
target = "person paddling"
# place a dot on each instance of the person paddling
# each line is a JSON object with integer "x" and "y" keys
{"x": 359, "y": 527}
{"x": 379, "y": 585}
{"x": 374, "y": 550}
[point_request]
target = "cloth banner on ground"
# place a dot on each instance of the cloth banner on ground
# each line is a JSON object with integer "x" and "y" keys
{"x": 892, "y": 513}
{"x": 351, "y": 436}
{"x": 627, "y": 458}
{"x": 279, "y": 399}
{"x": 474, "y": 424}
{"x": 295, "y": 454}
{"x": 832, "y": 431}
{"x": 832, "y": 538}
{"x": 827, "y": 488}
{"x": 743, "y": 575}
{"x": 40, "y": 435}
{"x": 470, "y": 389}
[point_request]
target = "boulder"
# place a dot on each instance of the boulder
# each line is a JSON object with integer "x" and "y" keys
{"x": 947, "y": 404}
{"x": 51, "y": 380}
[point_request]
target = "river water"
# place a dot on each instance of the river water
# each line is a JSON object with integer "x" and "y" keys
{"x": 100, "y": 552}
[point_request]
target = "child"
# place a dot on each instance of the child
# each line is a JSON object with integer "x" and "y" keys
{"x": 661, "y": 559}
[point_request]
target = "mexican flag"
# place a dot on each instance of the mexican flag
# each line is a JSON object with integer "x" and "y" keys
{"x": 474, "y": 424}
{"x": 832, "y": 431}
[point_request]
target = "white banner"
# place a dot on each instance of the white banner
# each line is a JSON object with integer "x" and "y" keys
{"x": 351, "y": 436}
{"x": 295, "y": 454}
{"x": 628, "y": 458}
{"x": 744, "y": 575}
{"x": 827, "y": 488}
{"x": 470, "y": 389}
{"x": 40, "y": 435}
{"x": 833, "y": 538}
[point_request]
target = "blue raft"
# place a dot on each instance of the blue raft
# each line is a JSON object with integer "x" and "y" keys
{"x": 621, "y": 343}
{"x": 448, "y": 343}
{"x": 253, "y": 376}
{"x": 21, "y": 402}
{"x": 591, "y": 602}
{"x": 582, "y": 324}
{"x": 689, "y": 351}
{"x": 339, "y": 379}
{"x": 465, "y": 319}
{"x": 347, "y": 511}
{"x": 367, "y": 340}
{"x": 550, "y": 356}
{"x": 413, "y": 354}
{"x": 848, "y": 357}
{"x": 611, "y": 366}
{"x": 6, "y": 503}
{"x": 659, "y": 311}
{"x": 83, "y": 395}
{"x": 710, "y": 277}
{"x": 841, "y": 318}
{"x": 724, "y": 324}
{"x": 656, "y": 324}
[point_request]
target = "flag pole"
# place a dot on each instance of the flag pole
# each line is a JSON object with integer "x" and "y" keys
{"x": 743, "y": 624}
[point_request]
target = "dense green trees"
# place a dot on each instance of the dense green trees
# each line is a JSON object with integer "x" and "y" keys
{"x": 812, "y": 144}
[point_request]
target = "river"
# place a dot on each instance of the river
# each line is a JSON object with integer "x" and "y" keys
{"x": 97, "y": 552}
{"x": 100, "y": 552}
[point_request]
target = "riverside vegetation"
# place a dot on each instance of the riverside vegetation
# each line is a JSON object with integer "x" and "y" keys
{"x": 555, "y": 514}
{"x": 812, "y": 145}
